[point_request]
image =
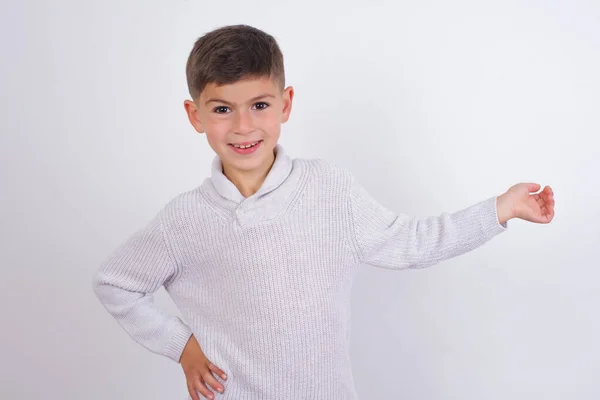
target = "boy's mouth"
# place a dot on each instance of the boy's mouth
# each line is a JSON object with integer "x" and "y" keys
{"x": 245, "y": 147}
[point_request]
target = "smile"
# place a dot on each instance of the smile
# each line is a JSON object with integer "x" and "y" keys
{"x": 246, "y": 147}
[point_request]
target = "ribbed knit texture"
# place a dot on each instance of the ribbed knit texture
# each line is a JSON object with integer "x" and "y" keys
{"x": 264, "y": 282}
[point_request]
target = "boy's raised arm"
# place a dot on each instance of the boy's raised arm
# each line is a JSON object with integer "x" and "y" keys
{"x": 386, "y": 239}
{"x": 125, "y": 284}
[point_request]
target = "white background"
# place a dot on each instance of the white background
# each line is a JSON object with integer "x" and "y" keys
{"x": 433, "y": 105}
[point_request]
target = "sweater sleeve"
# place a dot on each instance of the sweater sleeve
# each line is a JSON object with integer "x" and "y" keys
{"x": 386, "y": 239}
{"x": 125, "y": 284}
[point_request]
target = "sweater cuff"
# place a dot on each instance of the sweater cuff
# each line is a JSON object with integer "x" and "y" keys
{"x": 180, "y": 335}
{"x": 490, "y": 224}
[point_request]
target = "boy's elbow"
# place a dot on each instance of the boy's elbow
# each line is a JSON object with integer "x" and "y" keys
{"x": 423, "y": 264}
{"x": 97, "y": 283}
{"x": 100, "y": 287}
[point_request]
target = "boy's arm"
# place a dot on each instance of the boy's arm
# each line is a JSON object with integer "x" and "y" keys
{"x": 125, "y": 284}
{"x": 386, "y": 239}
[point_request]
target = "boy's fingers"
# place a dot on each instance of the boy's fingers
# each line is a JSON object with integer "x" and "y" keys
{"x": 209, "y": 379}
{"x": 217, "y": 370}
{"x": 204, "y": 391}
{"x": 199, "y": 386}
{"x": 192, "y": 392}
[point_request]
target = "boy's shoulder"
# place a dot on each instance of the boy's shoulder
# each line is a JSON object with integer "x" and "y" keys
{"x": 324, "y": 169}
{"x": 180, "y": 207}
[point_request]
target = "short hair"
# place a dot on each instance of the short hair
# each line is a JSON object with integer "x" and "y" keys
{"x": 231, "y": 53}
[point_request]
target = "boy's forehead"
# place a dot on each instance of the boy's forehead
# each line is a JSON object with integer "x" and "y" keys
{"x": 241, "y": 91}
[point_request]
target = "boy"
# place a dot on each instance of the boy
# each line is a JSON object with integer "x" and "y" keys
{"x": 261, "y": 257}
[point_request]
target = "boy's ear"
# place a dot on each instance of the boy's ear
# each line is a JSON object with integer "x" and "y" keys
{"x": 192, "y": 112}
{"x": 288, "y": 96}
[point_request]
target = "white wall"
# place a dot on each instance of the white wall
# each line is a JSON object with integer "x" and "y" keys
{"x": 433, "y": 105}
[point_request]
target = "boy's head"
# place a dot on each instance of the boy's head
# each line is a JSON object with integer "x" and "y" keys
{"x": 236, "y": 79}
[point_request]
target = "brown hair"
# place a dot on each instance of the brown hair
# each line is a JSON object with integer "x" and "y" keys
{"x": 232, "y": 53}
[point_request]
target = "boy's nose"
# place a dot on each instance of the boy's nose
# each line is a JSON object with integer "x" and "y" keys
{"x": 243, "y": 123}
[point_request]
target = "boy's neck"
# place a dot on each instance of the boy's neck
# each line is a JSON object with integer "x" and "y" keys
{"x": 249, "y": 182}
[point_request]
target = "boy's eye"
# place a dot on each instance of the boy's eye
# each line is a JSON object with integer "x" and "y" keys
{"x": 220, "y": 109}
{"x": 261, "y": 105}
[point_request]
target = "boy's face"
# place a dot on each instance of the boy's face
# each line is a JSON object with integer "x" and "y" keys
{"x": 242, "y": 121}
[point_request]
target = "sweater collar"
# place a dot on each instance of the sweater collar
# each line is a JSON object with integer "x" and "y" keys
{"x": 278, "y": 173}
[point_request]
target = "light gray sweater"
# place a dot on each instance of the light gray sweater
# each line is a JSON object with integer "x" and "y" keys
{"x": 264, "y": 282}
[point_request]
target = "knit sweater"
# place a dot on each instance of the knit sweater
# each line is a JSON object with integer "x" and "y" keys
{"x": 264, "y": 282}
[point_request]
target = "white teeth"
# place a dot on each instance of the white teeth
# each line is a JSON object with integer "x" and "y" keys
{"x": 245, "y": 147}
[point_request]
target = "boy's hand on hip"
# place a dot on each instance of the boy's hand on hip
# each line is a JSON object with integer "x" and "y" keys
{"x": 521, "y": 201}
{"x": 199, "y": 371}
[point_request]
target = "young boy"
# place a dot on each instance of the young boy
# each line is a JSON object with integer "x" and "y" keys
{"x": 261, "y": 257}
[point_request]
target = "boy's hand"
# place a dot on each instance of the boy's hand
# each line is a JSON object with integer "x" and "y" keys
{"x": 518, "y": 202}
{"x": 199, "y": 371}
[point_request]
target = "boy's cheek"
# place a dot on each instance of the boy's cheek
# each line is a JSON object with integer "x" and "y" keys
{"x": 270, "y": 122}
{"x": 218, "y": 128}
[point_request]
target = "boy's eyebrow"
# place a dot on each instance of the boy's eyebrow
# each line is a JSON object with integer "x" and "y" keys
{"x": 262, "y": 96}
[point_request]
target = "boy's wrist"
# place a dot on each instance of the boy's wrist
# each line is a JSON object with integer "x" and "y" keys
{"x": 505, "y": 208}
